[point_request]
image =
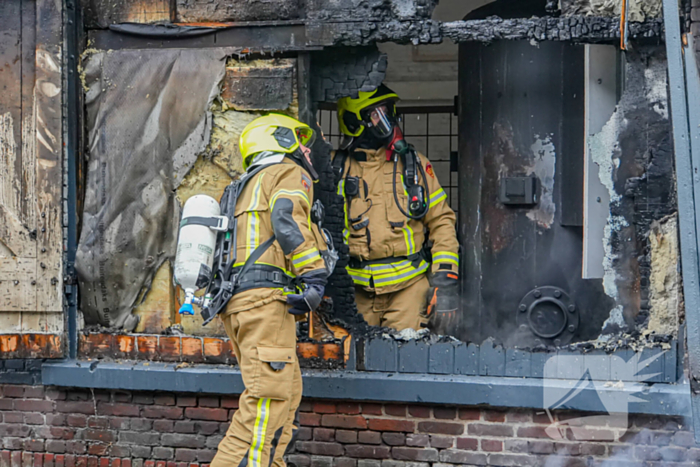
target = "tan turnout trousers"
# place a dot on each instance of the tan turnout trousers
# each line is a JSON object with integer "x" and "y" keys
{"x": 398, "y": 310}
{"x": 263, "y": 425}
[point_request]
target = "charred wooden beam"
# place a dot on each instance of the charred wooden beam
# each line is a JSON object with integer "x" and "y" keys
{"x": 588, "y": 29}
{"x": 312, "y": 35}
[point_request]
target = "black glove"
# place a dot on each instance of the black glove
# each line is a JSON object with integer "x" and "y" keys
{"x": 445, "y": 303}
{"x": 312, "y": 288}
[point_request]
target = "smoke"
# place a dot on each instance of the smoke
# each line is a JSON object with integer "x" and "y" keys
{"x": 649, "y": 445}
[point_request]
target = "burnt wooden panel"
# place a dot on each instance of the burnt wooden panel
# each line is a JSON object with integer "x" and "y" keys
{"x": 570, "y": 171}
{"x": 49, "y": 174}
{"x": 101, "y": 13}
{"x": 260, "y": 87}
{"x": 17, "y": 172}
{"x": 14, "y": 236}
{"x": 189, "y": 11}
{"x": 31, "y": 169}
{"x": 512, "y": 123}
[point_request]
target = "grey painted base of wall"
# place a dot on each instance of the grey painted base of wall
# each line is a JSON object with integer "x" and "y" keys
{"x": 656, "y": 399}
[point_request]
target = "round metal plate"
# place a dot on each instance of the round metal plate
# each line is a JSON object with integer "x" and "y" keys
{"x": 549, "y": 314}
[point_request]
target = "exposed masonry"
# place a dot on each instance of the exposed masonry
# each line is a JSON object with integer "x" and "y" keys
{"x": 50, "y": 427}
{"x": 335, "y": 75}
{"x": 189, "y": 349}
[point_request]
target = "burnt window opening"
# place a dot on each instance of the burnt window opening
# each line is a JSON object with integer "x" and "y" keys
{"x": 432, "y": 129}
{"x": 524, "y": 118}
{"x": 424, "y": 123}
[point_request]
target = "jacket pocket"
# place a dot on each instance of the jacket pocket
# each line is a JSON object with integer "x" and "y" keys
{"x": 274, "y": 374}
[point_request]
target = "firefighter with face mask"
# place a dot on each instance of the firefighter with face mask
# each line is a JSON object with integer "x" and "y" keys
{"x": 272, "y": 213}
{"x": 398, "y": 225}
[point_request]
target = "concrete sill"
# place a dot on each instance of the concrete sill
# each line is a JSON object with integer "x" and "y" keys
{"x": 656, "y": 399}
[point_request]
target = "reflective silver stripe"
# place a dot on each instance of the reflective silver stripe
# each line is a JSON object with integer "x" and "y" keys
{"x": 359, "y": 279}
{"x": 437, "y": 197}
{"x": 389, "y": 266}
{"x": 446, "y": 258}
{"x": 306, "y": 258}
{"x": 255, "y": 454}
{"x": 405, "y": 275}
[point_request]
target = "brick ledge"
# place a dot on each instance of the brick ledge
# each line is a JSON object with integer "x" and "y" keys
{"x": 188, "y": 349}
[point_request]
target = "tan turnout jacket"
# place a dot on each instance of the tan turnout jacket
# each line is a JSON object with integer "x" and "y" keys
{"x": 381, "y": 231}
{"x": 283, "y": 191}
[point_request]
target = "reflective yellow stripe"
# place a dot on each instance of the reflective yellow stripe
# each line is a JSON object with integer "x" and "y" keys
{"x": 304, "y": 253}
{"x": 253, "y": 233}
{"x": 255, "y": 199}
{"x": 258, "y": 443}
{"x": 445, "y": 257}
{"x": 341, "y": 192}
{"x": 387, "y": 274}
{"x": 390, "y": 279}
{"x": 305, "y": 257}
{"x": 408, "y": 237}
{"x": 299, "y": 193}
{"x": 341, "y": 188}
{"x": 436, "y": 197}
{"x": 358, "y": 276}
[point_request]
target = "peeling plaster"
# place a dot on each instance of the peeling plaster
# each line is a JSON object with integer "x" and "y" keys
{"x": 655, "y": 89}
{"x": 605, "y": 152}
{"x": 543, "y": 168}
{"x": 634, "y": 156}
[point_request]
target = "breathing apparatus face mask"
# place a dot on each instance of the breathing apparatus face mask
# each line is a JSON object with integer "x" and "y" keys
{"x": 380, "y": 120}
{"x": 306, "y": 138}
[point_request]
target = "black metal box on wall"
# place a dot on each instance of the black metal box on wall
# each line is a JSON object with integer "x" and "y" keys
{"x": 521, "y": 159}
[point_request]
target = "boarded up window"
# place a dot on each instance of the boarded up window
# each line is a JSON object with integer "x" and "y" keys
{"x": 31, "y": 299}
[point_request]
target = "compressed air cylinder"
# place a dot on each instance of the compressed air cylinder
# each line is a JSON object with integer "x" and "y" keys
{"x": 195, "y": 247}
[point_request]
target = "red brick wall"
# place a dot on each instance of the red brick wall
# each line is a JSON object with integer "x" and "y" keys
{"x": 52, "y": 427}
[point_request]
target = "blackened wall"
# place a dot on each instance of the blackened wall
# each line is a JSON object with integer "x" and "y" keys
{"x": 514, "y": 123}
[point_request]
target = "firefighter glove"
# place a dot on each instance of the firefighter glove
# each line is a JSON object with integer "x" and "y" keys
{"x": 447, "y": 296}
{"x": 443, "y": 316}
{"x": 312, "y": 289}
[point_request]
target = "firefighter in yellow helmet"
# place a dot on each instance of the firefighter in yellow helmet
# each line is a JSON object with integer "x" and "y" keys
{"x": 286, "y": 277}
{"x": 398, "y": 225}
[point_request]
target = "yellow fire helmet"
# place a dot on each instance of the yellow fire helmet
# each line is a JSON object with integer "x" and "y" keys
{"x": 275, "y": 133}
{"x": 350, "y": 109}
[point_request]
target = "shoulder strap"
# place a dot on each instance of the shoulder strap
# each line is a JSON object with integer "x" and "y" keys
{"x": 339, "y": 160}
